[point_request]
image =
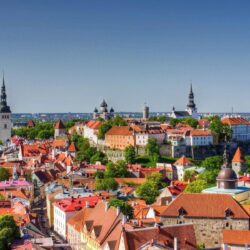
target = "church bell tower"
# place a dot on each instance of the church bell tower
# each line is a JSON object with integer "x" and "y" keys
{"x": 5, "y": 116}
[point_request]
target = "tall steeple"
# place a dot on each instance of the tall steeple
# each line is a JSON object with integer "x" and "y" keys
{"x": 4, "y": 108}
{"x": 191, "y": 107}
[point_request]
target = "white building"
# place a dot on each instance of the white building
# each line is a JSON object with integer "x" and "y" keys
{"x": 143, "y": 134}
{"x": 239, "y": 126}
{"x": 5, "y": 116}
{"x": 182, "y": 165}
{"x": 91, "y": 131}
{"x": 65, "y": 209}
{"x": 199, "y": 137}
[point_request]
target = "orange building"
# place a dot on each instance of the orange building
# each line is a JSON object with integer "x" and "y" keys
{"x": 119, "y": 137}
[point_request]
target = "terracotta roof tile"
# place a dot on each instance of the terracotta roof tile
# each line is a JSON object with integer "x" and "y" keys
{"x": 238, "y": 156}
{"x": 59, "y": 125}
{"x": 120, "y": 130}
{"x": 183, "y": 161}
{"x": 236, "y": 237}
{"x": 205, "y": 205}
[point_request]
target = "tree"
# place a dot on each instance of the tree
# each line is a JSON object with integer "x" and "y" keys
{"x": 9, "y": 231}
{"x": 209, "y": 176}
{"x": 189, "y": 175}
{"x": 125, "y": 207}
{"x": 45, "y": 134}
{"x": 98, "y": 156}
{"x": 103, "y": 129}
{"x": 213, "y": 162}
{"x": 196, "y": 186}
{"x": 130, "y": 154}
{"x": 148, "y": 191}
{"x": 118, "y": 169}
{"x": 4, "y": 174}
{"x": 219, "y": 128}
{"x": 153, "y": 149}
{"x": 106, "y": 184}
{"x": 156, "y": 178}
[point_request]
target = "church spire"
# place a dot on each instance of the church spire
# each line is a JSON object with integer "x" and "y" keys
{"x": 4, "y": 107}
{"x": 191, "y": 105}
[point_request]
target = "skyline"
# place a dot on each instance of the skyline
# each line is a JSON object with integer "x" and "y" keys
{"x": 66, "y": 57}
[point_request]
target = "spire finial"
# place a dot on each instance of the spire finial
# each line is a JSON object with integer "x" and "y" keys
{"x": 225, "y": 154}
{"x": 3, "y": 80}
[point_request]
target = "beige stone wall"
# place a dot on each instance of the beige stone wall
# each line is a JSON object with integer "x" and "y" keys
{"x": 209, "y": 231}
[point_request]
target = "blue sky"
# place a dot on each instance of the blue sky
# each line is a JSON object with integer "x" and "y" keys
{"x": 65, "y": 56}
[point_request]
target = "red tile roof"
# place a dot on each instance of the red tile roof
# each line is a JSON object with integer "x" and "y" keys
{"x": 236, "y": 237}
{"x": 75, "y": 204}
{"x": 205, "y": 205}
{"x": 72, "y": 148}
{"x": 238, "y": 156}
{"x": 94, "y": 124}
{"x": 59, "y": 125}
{"x": 233, "y": 121}
{"x": 183, "y": 161}
{"x": 136, "y": 238}
{"x": 200, "y": 132}
{"x": 120, "y": 130}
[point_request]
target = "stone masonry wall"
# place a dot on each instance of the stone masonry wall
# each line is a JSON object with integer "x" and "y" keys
{"x": 209, "y": 231}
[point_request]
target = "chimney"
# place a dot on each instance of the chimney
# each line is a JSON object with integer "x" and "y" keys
{"x": 124, "y": 219}
{"x": 118, "y": 210}
{"x": 106, "y": 206}
{"x": 175, "y": 244}
{"x": 87, "y": 204}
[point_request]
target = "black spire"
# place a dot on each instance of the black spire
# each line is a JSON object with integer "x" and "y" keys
{"x": 191, "y": 103}
{"x": 4, "y": 108}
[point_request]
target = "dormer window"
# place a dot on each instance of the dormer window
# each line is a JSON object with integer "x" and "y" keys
{"x": 182, "y": 211}
{"x": 229, "y": 213}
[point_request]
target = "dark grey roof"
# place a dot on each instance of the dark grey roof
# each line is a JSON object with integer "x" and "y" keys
{"x": 181, "y": 113}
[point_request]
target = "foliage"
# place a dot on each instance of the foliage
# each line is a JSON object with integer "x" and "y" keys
{"x": 130, "y": 154}
{"x": 161, "y": 118}
{"x": 213, "y": 162}
{"x": 71, "y": 123}
{"x": 189, "y": 121}
{"x": 103, "y": 129}
{"x": 118, "y": 169}
{"x": 148, "y": 191}
{"x": 196, "y": 186}
{"x": 107, "y": 125}
{"x": 125, "y": 207}
{"x": 189, "y": 175}
{"x": 86, "y": 152}
{"x": 247, "y": 158}
{"x": 43, "y": 130}
{"x": 209, "y": 176}
{"x": 106, "y": 184}
{"x": 9, "y": 231}
{"x": 223, "y": 130}
{"x": 153, "y": 149}
{"x": 4, "y": 174}
{"x": 156, "y": 178}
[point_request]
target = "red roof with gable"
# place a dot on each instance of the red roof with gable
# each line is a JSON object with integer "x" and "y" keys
{"x": 72, "y": 147}
{"x": 59, "y": 125}
{"x": 76, "y": 204}
{"x": 94, "y": 124}
{"x": 238, "y": 156}
{"x": 183, "y": 161}
{"x": 233, "y": 121}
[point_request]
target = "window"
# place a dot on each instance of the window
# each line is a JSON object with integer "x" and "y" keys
{"x": 5, "y": 125}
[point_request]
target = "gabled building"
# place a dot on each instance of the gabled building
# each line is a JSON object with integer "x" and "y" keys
{"x": 159, "y": 237}
{"x": 239, "y": 162}
{"x": 240, "y": 127}
{"x": 181, "y": 165}
{"x": 210, "y": 214}
{"x": 60, "y": 130}
{"x": 91, "y": 129}
{"x": 120, "y": 137}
